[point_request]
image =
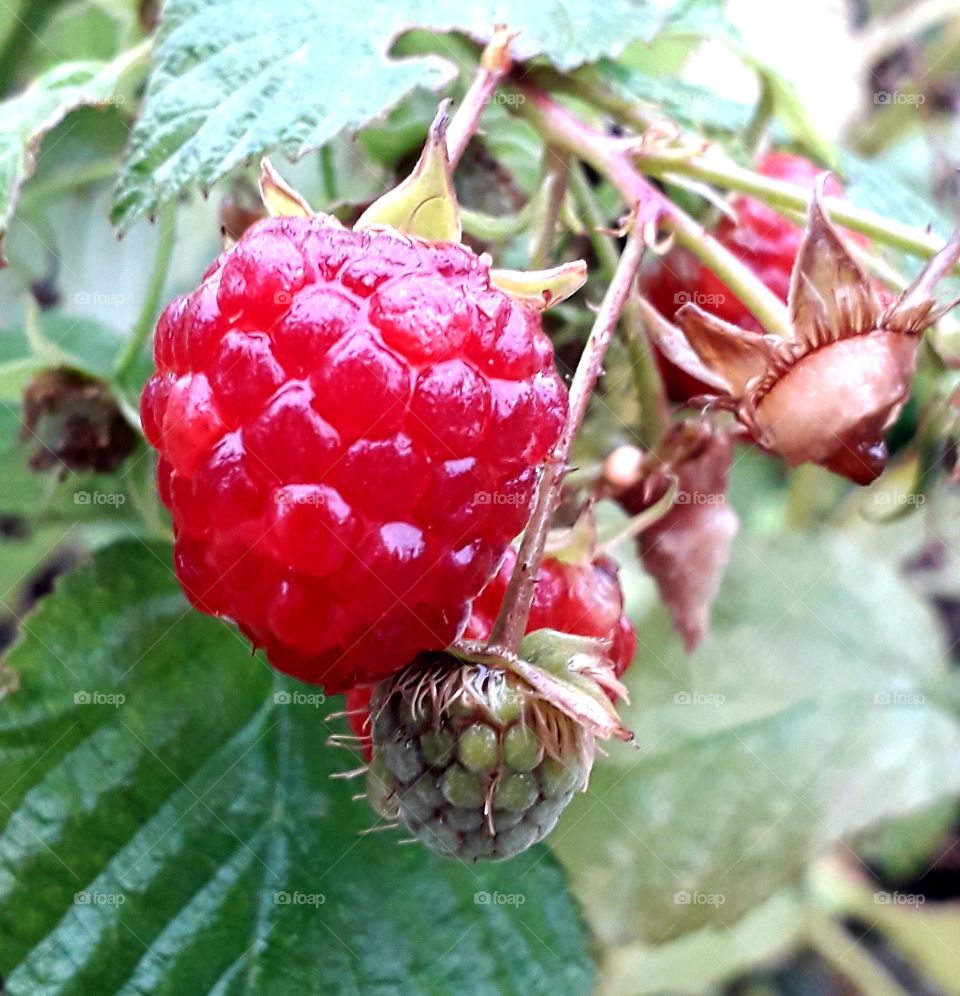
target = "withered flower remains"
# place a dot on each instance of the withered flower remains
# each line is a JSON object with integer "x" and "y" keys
{"x": 828, "y": 392}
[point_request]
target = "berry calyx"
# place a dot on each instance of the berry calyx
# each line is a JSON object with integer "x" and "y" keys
{"x": 760, "y": 237}
{"x": 828, "y": 392}
{"x": 576, "y": 599}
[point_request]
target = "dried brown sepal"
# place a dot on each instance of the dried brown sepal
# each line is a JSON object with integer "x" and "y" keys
{"x": 734, "y": 355}
{"x": 675, "y": 346}
{"x": 827, "y": 393}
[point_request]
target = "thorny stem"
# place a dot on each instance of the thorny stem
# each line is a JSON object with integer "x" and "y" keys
{"x": 787, "y": 197}
{"x": 167, "y": 226}
{"x": 722, "y": 172}
{"x": 647, "y": 382}
{"x": 494, "y": 65}
{"x": 615, "y": 159}
{"x": 512, "y": 620}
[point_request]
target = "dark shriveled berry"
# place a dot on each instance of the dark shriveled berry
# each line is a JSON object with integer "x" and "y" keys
{"x": 470, "y": 760}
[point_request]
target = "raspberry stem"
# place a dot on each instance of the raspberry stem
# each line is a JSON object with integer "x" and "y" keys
{"x": 615, "y": 159}
{"x": 511, "y": 622}
{"x": 648, "y": 384}
{"x": 779, "y": 194}
{"x": 166, "y": 236}
{"x": 495, "y": 63}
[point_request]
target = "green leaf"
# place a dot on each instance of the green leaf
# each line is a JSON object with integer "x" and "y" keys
{"x": 25, "y": 119}
{"x": 46, "y": 498}
{"x": 704, "y": 959}
{"x": 237, "y": 78}
{"x": 686, "y": 103}
{"x": 169, "y": 826}
{"x": 817, "y": 708}
{"x": 60, "y": 340}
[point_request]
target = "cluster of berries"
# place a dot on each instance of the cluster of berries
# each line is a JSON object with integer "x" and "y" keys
{"x": 351, "y": 425}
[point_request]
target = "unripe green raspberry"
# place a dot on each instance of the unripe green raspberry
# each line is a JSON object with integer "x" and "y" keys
{"x": 470, "y": 760}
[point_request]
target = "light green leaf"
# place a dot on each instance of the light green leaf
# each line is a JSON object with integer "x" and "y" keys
{"x": 705, "y": 958}
{"x": 686, "y": 103}
{"x": 49, "y": 499}
{"x": 237, "y": 78}
{"x": 26, "y": 118}
{"x": 817, "y": 707}
{"x": 169, "y": 826}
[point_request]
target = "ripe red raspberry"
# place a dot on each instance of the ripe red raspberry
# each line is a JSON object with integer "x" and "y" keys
{"x": 574, "y": 598}
{"x": 349, "y": 425}
{"x": 579, "y": 599}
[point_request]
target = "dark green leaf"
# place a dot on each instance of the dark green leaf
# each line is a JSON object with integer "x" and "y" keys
{"x": 169, "y": 826}
{"x": 236, "y": 78}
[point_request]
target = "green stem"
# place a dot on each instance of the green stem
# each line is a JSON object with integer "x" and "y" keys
{"x": 614, "y": 159}
{"x": 755, "y": 133}
{"x": 82, "y": 176}
{"x": 654, "y": 417}
{"x": 728, "y": 175}
{"x": 511, "y": 623}
{"x": 495, "y": 228}
{"x": 849, "y": 958}
{"x": 166, "y": 225}
{"x": 788, "y": 197}
{"x": 553, "y": 189}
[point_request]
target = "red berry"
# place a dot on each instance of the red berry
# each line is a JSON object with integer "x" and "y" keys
{"x": 350, "y": 426}
{"x": 581, "y": 599}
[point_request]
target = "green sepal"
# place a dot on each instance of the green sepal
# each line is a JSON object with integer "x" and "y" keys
{"x": 541, "y": 289}
{"x": 425, "y": 203}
